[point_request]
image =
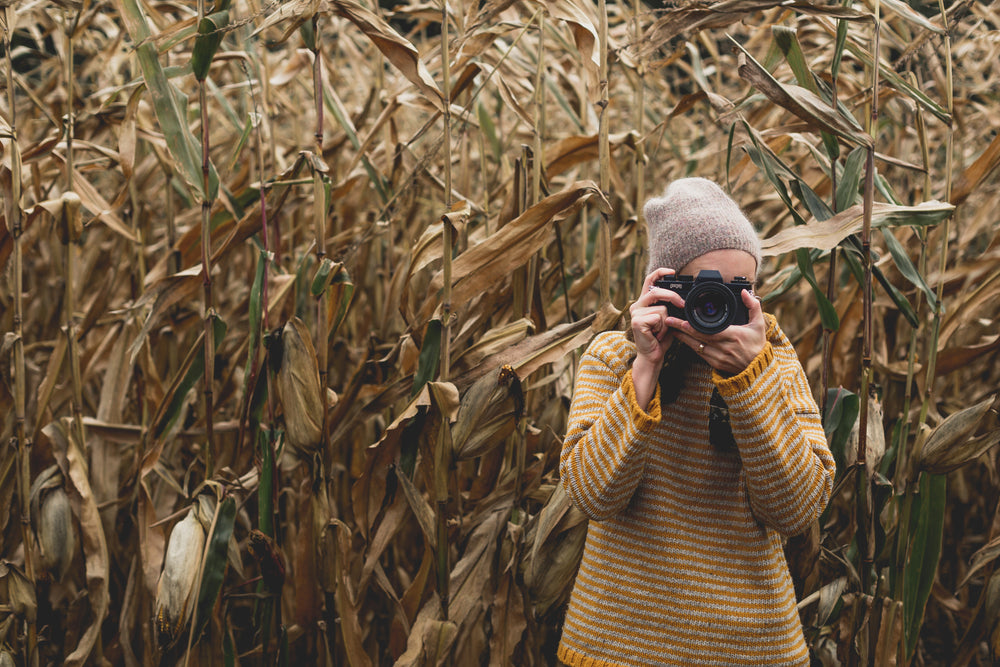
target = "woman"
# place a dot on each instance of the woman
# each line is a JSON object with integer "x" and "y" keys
{"x": 694, "y": 455}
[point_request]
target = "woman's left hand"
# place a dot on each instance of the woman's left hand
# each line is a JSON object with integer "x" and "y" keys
{"x": 731, "y": 350}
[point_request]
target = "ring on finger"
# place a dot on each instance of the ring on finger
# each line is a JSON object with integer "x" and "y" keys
{"x": 701, "y": 348}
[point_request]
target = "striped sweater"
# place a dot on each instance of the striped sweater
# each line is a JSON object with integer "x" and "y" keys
{"x": 683, "y": 563}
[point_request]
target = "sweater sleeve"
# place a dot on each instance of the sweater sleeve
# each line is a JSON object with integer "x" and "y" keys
{"x": 603, "y": 454}
{"x": 788, "y": 469}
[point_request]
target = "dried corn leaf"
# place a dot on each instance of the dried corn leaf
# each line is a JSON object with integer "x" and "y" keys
{"x": 475, "y": 566}
{"x": 397, "y": 50}
{"x": 827, "y": 234}
{"x": 484, "y": 265}
{"x": 985, "y": 556}
{"x": 508, "y": 621}
{"x": 20, "y": 593}
{"x": 347, "y": 605}
{"x": 801, "y": 102}
{"x": 73, "y": 463}
{"x": 430, "y": 640}
{"x": 584, "y": 36}
{"x": 976, "y": 173}
{"x": 421, "y": 510}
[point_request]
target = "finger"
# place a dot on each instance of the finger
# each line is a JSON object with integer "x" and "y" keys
{"x": 654, "y": 276}
{"x": 754, "y": 309}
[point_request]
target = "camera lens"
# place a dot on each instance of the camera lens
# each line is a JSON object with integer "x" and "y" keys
{"x": 710, "y": 307}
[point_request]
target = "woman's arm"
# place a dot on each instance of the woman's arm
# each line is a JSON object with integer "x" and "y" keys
{"x": 604, "y": 453}
{"x": 787, "y": 466}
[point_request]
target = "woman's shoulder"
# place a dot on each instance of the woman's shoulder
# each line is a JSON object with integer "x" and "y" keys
{"x": 612, "y": 348}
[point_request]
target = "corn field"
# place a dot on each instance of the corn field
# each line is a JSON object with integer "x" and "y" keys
{"x": 293, "y": 294}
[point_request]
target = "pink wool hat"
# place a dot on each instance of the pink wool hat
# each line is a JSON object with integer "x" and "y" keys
{"x": 695, "y": 216}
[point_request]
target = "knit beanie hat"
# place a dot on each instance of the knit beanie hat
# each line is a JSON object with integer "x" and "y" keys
{"x": 694, "y": 216}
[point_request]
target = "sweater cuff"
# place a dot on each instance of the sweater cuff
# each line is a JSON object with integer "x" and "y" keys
{"x": 730, "y": 386}
{"x": 644, "y": 419}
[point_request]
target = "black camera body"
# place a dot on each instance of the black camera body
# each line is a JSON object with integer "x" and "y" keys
{"x": 710, "y": 303}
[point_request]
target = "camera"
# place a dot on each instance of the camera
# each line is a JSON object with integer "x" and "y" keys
{"x": 710, "y": 303}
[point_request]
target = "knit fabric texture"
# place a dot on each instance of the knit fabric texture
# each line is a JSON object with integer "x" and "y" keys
{"x": 683, "y": 563}
{"x": 695, "y": 216}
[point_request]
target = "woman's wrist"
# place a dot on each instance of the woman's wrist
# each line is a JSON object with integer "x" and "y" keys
{"x": 645, "y": 374}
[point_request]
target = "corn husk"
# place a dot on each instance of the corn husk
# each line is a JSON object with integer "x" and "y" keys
{"x": 489, "y": 412}
{"x": 557, "y": 539}
{"x": 56, "y": 536}
{"x": 175, "y": 592}
{"x": 18, "y": 592}
{"x": 875, "y": 442}
{"x": 952, "y": 443}
{"x": 269, "y": 559}
{"x": 52, "y": 519}
{"x": 299, "y": 388}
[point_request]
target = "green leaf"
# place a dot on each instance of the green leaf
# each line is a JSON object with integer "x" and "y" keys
{"x": 211, "y": 30}
{"x": 905, "y": 266}
{"x": 256, "y": 301}
{"x": 850, "y": 179}
{"x": 191, "y": 377}
{"x": 788, "y": 42}
{"x": 169, "y": 104}
{"x": 488, "y": 129}
{"x": 430, "y": 354}
{"x": 228, "y": 650}
{"x": 827, "y": 313}
{"x": 852, "y": 256}
{"x": 838, "y": 51}
{"x": 842, "y": 409}
{"x": 241, "y": 144}
{"x": 343, "y": 291}
{"x": 308, "y": 33}
{"x": 926, "y": 531}
{"x": 265, "y": 489}
{"x": 216, "y": 561}
{"x": 321, "y": 280}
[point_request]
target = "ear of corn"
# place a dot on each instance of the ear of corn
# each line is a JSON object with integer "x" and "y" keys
{"x": 299, "y": 388}
{"x": 175, "y": 591}
{"x": 953, "y": 442}
{"x": 489, "y": 412}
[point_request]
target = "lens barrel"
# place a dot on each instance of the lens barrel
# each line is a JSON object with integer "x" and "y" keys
{"x": 710, "y": 307}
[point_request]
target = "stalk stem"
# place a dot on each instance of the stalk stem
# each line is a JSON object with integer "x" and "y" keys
{"x": 21, "y": 443}
{"x": 442, "y": 458}
{"x": 865, "y": 508}
{"x": 206, "y": 263}
{"x": 604, "y": 153}
{"x": 320, "y": 213}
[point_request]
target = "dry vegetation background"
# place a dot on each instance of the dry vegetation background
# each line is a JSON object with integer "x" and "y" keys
{"x": 388, "y": 233}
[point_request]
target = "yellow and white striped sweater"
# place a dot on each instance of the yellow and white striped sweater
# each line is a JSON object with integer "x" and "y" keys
{"x": 683, "y": 563}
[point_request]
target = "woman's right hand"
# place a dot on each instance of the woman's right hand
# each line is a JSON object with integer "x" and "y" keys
{"x": 652, "y": 334}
